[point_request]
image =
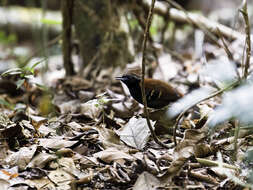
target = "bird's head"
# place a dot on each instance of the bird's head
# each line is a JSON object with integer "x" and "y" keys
{"x": 129, "y": 80}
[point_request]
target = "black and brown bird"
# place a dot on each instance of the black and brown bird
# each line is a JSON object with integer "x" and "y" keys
{"x": 158, "y": 93}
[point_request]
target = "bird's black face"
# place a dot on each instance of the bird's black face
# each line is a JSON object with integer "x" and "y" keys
{"x": 129, "y": 80}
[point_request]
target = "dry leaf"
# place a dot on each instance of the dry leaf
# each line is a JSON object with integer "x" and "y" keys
{"x": 55, "y": 143}
{"x": 146, "y": 181}
{"x": 135, "y": 133}
{"x": 112, "y": 154}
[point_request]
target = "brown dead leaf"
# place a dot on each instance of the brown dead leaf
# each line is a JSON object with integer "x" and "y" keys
{"x": 88, "y": 162}
{"x": 55, "y": 143}
{"x": 37, "y": 121}
{"x": 202, "y": 150}
{"x": 112, "y": 154}
{"x": 109, "y": 138}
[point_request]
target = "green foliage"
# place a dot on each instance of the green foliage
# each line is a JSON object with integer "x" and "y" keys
{"x": 7, "y": 104}
{"x": 101, "y": 101}
{"x": 153, "y": 30}
{"x": 156, "y": 25}
{"x": 51, "y": 22}
{"x": 7, "y": 39}
{"x": 22, "y": 72}
{"x": 133, "y": 23}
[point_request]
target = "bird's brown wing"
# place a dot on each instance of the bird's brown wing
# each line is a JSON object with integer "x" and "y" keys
{"x": 160, "y": 94}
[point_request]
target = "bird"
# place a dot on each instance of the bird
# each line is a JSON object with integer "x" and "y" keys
{"x": 158, "y": 93}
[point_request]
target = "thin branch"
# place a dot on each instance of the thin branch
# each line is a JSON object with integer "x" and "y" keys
{"x": 146, "y": 33}
{"x": 236, "y": 136}
{"x": 228, "y": 52}
{"x": 245, "y": 15}
{"x": 201, "y": 100}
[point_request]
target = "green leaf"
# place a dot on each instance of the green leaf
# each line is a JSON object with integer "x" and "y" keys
{"x": 42, "y": 87}
{"x": 31, "y": 69}
{"x": 133, "y": 23}
{"x": 50, "y": 21}
{"x": 153, "y": 30}
{"x": 13, "y": 71}
{"x": 5, "y": 103}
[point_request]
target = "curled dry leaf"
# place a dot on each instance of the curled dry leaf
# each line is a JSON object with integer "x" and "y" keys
{"x": 55, "y": 143}
{"x": 87, "y": 162}
{"x": 65, "y": 152}
{"x": 37, "y": 121}
{"x": 202, "y": 176}
{"x": 202, "y": 150}
{"x": 112, "y": 154}
{"x": 109, "y": 138}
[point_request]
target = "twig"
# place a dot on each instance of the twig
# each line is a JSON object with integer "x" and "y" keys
{"x": 201, "y": 100}
{"x": 229, "y": 54}
{"x": 210, "y": 163}
{"x": 236, "y": 135}
{"x": 146, "y": 32}
{"x": 245, "y": 15}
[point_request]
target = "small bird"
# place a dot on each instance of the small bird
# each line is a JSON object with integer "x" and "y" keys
{"x": 158, "y": 93}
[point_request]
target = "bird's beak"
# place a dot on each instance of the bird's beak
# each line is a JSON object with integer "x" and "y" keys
{"x": 119, "y": 78}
